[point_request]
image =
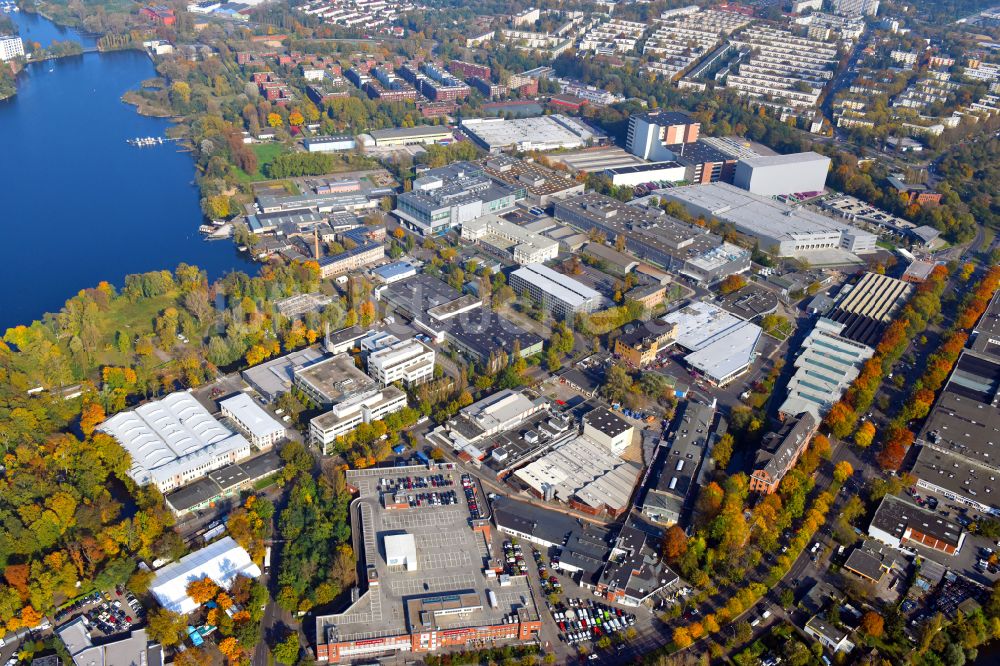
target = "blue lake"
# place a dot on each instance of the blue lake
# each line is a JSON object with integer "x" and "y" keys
{"x": 77, "y": 203}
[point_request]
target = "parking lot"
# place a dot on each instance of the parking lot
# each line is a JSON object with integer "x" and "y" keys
{"x": 105, "y": 614}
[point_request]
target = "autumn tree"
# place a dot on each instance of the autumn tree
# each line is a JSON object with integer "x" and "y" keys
{"x": 723, "y": 451}
{"x": 865, "y": 434}
{"x": 287, "y": 651}
{"x": 202, "y": 590}
{"x": 840, "y": 419}
{"x": 843, "y": 471}
{"x": 872, "y": 624}
{"x": 675, "y": 543}
{"x": 732, "y": 283}
{"x": 166, "y": 627}
{"x": 682, "y": 638}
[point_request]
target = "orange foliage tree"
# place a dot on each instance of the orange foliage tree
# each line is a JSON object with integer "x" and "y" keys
{"x": 202, "y": 590}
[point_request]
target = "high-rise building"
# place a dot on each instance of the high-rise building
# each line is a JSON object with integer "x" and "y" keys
{"x": 11, "y": 47}
{"x": 649, "y": 134}
{"x": 856, "y": 7}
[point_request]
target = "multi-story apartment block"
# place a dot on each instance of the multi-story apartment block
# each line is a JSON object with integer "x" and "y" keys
{"x": 614, "y": 36}
{"x": 856, "y": 7}
{"x": 681, "y": 39}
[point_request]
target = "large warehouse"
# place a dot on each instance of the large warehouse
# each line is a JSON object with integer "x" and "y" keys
{"x": 539, "y": 133}
{"x": 557, "y": 293}
{"x": 221, "y": 561}
{"x": 722, "y": 346}
{"x": 774, "y": 175}
{"x": 782, "y": 230}
{"x": 174, "y": 441}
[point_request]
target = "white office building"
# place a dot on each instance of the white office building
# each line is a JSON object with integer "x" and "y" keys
{"x": 559, "y": 294}
{"x": 856, "y": 7}
{"x": 11, "y": 47}
{"x": 262, "y": 429}
{"x": 174, "y": 441}
{"x": 511, "y": 240}
{"x": 349, "y": 414}
{"x": 221, "y": 561}
{"x": 407, "y": 361}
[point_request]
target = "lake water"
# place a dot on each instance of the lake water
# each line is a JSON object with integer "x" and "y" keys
{"x": 77, "y": 203}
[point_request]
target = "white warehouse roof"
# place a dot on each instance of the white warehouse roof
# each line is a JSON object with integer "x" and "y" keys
{"x": 400, "y": 550}
{"x": 221, "y": 561}
{"x": 252, "y": 416}
{"x": 163, "y": 437}
{"x": 728, "y": 354}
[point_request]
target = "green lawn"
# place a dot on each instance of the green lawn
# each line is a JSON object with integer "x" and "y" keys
{"x": 266, "y": 152}
{"x": 135, "y": 318}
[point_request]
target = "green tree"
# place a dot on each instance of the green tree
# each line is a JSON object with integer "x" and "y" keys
{"x": 166, "y": 627}
{"x": 287, "y": 650}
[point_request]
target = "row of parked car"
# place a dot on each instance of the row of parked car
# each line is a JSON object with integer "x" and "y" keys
{"x": 470, "y": 496}
{"x": 586, "y": 620}
{"x": 445, "y": 498}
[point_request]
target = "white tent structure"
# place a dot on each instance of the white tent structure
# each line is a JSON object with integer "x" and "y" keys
{"x": 221, "y": 561}
{"x": 401, "y": 551}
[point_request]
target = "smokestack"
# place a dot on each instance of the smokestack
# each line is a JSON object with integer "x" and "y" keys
{"x": 316, "y": 240}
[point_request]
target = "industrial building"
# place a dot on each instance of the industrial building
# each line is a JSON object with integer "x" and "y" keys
{"x": 424, "y": 297}
{"x": 408, "y": 361}
{"x": 536, "y": 133}
{"x": 451, "y": 196}
{"x": 716, "y": 264}
{"x": 867, "y": 308}
{"x": 780, "y": 229}
{"x": 394, "y": 272}
{"x": 900, "y": 524}
{"x": 351, "y": 412}
{"x": 583, "y": 473}
{"x": 485, "y": 336}
{"x": 541, "y": 185}
{"x": 276, "y": 376}
{"x": 634, "y": 571}
{"x": 826, "y": 365}
{"x": 228, "y": 481}
{"x": 677, "y": 468}
{"x": 558, "y": 294}
{"x": 410, "y": 136}
{"x": 502, "y": 411}
{"x": 174, "y": 440}
{"x": 649, "y": 233}
{"x": 607, "y": 429}
{"x": 509, "y": 241}
{"x": 222, "y": 561}
{"x": 668, "y": 171}
{"x": 721, "y": 346}
{"x": 779, "y": 451}
{"x": 775, "y": 175}
{"x": 431, "y": 579}
{"x": 960, "y": 479}
{"x": 329, "y": 143}
{"x": 262, "y": 429}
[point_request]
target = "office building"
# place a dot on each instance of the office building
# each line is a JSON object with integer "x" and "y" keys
{"x": 408, "y": 361}
{"x": 667, "y": 171}
{"x": 502, "y": 411}
{"x": 607, "y": 429}
{"x": 486, "y": 337}
{"x": 11, "y": 47}
{"x": 558, "y": 294}
{"x": 717, "y": 263}
{"x": 900, "y": 524}
{"x": 640, "y": 342}
{"x": 456, "y": 607}
{"x": 509, "y": 241}
{"x": 774, "y": 175}
{"x": 131, "y": 648}
{"x": 332, "y": 380}
{"x": 222, "y": 561}
{"x": 262, "y": 429}
{"x": 779, "y": 229}
{"x": 348, "y": 414}
{"x": 826, "y": 365}
{"x": 779, "y": 451}
{"x": 634, "y": 572}
{"x": 174, "y": 440}
{"x": 444, "y": 198}
{"x": 535, "y": 133}
{"x": 364, "y": 254}
{"x": 678, "y": 466}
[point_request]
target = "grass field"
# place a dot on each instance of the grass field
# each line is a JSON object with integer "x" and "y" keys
{"x": 266, "y": 152}
{"x": 134, "y": 318}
